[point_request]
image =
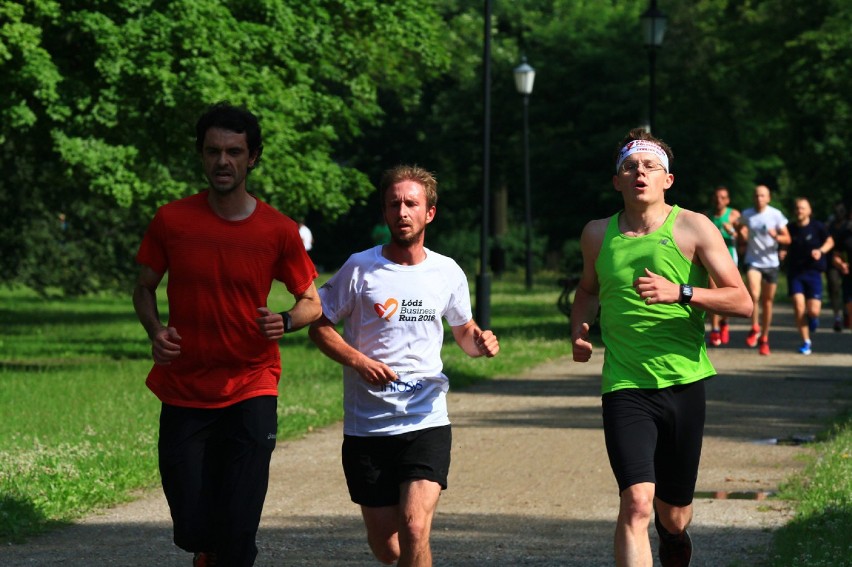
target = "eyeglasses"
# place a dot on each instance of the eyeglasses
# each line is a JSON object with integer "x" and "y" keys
{"x": 632, "y": 166}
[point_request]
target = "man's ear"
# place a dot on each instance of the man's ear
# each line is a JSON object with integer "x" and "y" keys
{"x": 430, "y": 214}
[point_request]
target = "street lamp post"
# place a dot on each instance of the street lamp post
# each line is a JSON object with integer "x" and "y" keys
{"x": 524, "y": 79}
{"x": 483, "y": 278}
{"x": 653, "y": 28}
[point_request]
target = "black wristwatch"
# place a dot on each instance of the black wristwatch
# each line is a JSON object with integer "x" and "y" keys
{"x": 288, "y": 321}
{"x": 685, "y": 294}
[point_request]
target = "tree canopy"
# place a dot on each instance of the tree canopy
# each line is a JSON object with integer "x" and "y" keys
{"x": 100, "y": 98}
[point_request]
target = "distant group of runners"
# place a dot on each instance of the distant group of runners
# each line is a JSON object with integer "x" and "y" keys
{"x": 807, "y": 247}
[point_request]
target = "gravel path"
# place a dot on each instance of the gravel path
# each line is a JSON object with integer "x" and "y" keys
{"x": 530, "y": 484}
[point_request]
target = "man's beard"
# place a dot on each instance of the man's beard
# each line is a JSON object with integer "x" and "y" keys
{"x": 409, "y": 240}
{"x": 223, "y": 189}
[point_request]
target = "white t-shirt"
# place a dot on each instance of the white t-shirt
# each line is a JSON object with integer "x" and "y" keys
{"x": 392, "y": 313}
{"x": 762, "y": 249}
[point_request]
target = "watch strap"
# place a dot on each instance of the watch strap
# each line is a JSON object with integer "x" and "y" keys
{"x": 685, "y": 294}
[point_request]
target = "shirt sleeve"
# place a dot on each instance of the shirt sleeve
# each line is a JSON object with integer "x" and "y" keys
{"x": 459, "y": 310}
{"x": 338, "y": 294}
{"x": 152, "y": 250}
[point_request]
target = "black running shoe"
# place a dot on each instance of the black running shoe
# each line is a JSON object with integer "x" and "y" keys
{"x": 674, "y": 550}
{"x": 202, "y": 559}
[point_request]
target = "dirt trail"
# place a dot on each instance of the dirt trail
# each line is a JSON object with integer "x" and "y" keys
{"x": 530, "y": 483}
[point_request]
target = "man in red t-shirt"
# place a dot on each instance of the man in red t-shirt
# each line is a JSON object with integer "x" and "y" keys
{"x": 217, "y": 363}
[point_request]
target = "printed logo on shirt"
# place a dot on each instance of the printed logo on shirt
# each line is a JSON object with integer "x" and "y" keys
{"x": 413, "y": 310}
{"x": 409, "y": 310}
{"x": 400, "y": 386}
{"x": 664, "y": 242}
{"x": 386, "y": 310}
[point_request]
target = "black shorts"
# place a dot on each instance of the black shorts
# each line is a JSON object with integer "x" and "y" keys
{"x": 655, "y": 436}
{"x": 214, "y": 465}
{"x": 375, "y": 467}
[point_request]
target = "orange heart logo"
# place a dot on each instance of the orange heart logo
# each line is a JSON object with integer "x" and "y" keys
{"x": 387, "y": 310}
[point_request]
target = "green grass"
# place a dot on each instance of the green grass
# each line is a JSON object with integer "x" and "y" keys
{"x": 79, "y": 427}
{"x": 819, "y": 535}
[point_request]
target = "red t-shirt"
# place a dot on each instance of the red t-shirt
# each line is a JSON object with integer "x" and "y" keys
{"x": 219, "y": 273}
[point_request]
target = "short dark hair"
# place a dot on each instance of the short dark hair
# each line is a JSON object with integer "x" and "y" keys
{"x": 234, "y": 118}
{"x": 409, "y": 173}
{"x": 643, "y": 134}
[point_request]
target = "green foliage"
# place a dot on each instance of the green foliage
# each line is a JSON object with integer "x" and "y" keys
{"x": 819, "y": 534}
{"x": 746, "y": 92}
{"x": 100, "y": 99}
{"x": 761, "y": 85}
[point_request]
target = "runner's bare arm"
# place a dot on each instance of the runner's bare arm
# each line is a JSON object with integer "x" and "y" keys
{"x": 306, "y": 310}
{"x": 331, "y": 344}
{"x": 584, "y": 309}
{"x": 165, "y": 341}
{"x": 782, "y": 236}
{"x": 474, "y": 341}
{"x": 730, "y": 297}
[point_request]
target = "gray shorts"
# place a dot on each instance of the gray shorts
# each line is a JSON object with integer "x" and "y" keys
{"x": 767, "y": 275}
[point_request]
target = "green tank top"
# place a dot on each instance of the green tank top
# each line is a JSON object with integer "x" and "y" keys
{"x": 730, "y": 239}
{"x": 648, "y": 346}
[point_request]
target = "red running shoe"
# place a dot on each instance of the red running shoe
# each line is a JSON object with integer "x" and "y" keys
{"x": 763, "y": 349}
{"x": 751, "y": 339}
{"x": 724, "y": 334}
{"x": 715, "y": 338}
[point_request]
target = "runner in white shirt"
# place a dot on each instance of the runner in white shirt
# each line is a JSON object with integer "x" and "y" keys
{"x": 397, "y": 436}
{"x": 763, "y": 228}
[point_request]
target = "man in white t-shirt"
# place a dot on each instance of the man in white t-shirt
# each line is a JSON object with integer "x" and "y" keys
{"x": 763, "y": 228}
{"x": 397, "y": 437}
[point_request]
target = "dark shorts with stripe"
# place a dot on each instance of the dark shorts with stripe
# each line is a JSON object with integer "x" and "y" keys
{"x": 655, "y": 436}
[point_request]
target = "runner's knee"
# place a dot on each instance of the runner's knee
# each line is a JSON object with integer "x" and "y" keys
{"x": 386, "y": 550}
{"x": 636, "y": 505}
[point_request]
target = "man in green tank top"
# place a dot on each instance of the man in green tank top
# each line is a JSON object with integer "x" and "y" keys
{"x": 647, "y": 269}
{"x": 725, "y": 219}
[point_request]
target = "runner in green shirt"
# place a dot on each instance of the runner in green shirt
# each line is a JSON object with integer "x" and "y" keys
{"x": 725, "y": 219}
{"x": 647, "y": 268}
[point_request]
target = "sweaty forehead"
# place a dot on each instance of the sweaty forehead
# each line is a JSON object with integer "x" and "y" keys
{"x": 222, "y": 138}
{"x": 405, "y": 190}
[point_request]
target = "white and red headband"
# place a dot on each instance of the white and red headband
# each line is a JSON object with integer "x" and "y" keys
{"x": 636, "y": 146}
